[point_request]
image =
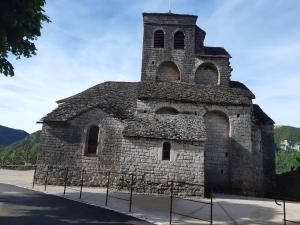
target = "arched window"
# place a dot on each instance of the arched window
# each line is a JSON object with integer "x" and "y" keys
{"x": 167, "y": 110}
{"x": 159, "y": 39}
{"x": 166, "y": 152}
{"x": 92, "y": 140}
{"x": 206, "y": 74}
{"x": 179, "y": 40}
{"x": 167, "y": 71}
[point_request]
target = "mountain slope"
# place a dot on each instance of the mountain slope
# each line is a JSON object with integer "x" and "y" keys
{"x": 281, "y": 133}
{"x": 21, "y": 152}
{"x": 10, "y": 135}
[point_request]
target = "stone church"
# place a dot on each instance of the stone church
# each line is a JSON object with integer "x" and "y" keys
{"x": 186, "y": 120}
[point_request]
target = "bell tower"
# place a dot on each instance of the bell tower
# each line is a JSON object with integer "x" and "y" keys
{"x": 169, "y": 45}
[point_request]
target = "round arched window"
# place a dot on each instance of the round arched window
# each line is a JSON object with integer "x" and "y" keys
{"x": 92, "y": 140}
{"x": 159, "y": 39}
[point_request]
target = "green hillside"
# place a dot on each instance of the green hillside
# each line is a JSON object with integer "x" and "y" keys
{"x": 289, "y": 133}
{"x": 21, "y": 152}
{"x": 10, "y": 135}
{"x": 286, "y": 160}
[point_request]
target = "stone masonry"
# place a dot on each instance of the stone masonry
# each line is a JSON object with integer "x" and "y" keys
{"x": 185, "y": 121}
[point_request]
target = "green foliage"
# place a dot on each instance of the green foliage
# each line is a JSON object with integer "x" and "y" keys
{"x": 20, "y": 24}
{"x": 287, "y": 161}
{"x": 282, "y": 133}
{"x": 21, "y": 152}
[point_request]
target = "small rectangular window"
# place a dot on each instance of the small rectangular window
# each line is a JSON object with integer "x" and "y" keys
{"x": 166, "y": 152}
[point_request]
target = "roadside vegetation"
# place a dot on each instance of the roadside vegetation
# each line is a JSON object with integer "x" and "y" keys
{"x": 22, "y": 152}
{"x": 287, "y": 161}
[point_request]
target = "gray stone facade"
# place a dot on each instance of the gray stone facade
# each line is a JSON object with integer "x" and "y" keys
{"x": 186, "y": 100}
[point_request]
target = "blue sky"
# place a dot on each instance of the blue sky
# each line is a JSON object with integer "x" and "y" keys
{"x": 92, "y": 41}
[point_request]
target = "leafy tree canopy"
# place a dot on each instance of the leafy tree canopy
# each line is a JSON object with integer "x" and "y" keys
{"x": 287, "y": 161}
{"x": 20, "y": 24}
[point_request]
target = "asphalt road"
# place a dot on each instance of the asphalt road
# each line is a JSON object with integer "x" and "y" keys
{"x": 19, "y": 206}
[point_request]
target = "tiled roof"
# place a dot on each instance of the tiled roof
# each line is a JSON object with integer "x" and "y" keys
{"x": 119, "y": 98}
{"x": 260, "y": 117}
{"x": 213, "y": 51}
{"x": 115, "y": 98}
{"x": 176, "y": 127}
{"x": 186, "y": 92}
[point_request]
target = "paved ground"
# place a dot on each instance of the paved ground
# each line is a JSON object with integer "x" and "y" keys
{"x": 227, "y": 209}
{"x": 19, "y": 206}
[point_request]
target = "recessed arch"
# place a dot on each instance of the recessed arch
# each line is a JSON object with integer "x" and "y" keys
{"x": 167, "y": 71}
{"x": 167, "y": 110}
{"x": 207, "y": 74}
{"x": 217, "y": 151}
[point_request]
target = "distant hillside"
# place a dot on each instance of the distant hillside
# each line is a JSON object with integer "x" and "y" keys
{"x": 287, "y": 160}
{"x": 21, "y": 152}
{"x": 10, "y": 135}
{"x": 292, "y": 134}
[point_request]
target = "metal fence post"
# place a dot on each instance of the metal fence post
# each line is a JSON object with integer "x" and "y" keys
{"x": 171, "y": 201}
{"x": 46, "y": 179}
{"x": 33, "y": 181}
{"x": 66, "y": 180}
{"x": 81, "y": 183}
{"x": 107, "y": 188}
{"x": 131, "y": 189}
{"x": 211, "y": 206}
{"x": 284, "y": 212}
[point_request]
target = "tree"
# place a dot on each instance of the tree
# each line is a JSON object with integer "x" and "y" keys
{"x": 20, "y": 25}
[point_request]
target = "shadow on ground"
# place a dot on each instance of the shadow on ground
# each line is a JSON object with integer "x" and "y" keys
{"x": 25, "y": 207}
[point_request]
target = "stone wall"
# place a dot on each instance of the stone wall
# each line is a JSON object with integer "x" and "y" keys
{"x": 268, "y": 157}
{"x": 62, "y": 145}
{"x": 257, "y": 153}
{"x": 217, "y": 152}
{"x": 206, "y": 75}
{"x": 245, "y": 163}
{"x": 144, "y": 157}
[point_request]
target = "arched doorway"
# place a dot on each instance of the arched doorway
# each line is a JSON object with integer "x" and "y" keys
{"x": 168, "y": 71}
{"x": 217, "y": 152}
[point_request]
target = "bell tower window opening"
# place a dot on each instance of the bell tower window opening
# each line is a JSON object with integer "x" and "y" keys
{"x": 92, "y": 140}
{"x": 159, "y": 39}
{"x": 166, "y": 151}
{"x": 179, "y": 40}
